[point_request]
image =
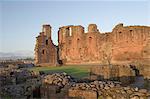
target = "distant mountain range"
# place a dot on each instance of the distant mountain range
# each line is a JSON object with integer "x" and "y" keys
{"x": 16, "y": 55}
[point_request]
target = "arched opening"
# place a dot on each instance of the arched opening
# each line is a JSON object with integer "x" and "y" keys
{"x": 131, "y": 33}
{"x": 70, "y": 31}
{"x": 43, "y": 51}
{"x": 120, "y": 34}
{"x": 46, "y": 42}
{"x": 78, "y": 40}
{"x": 90, "y": 39}
{"x": 137, "y": 73}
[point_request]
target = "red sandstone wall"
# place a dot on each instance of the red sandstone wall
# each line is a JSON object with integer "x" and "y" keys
{"x": 123, "y": 44}
{"x": 76, "y": 47}
{"x": 45, "y": 50}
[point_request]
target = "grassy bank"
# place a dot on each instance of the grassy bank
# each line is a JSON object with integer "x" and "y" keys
{"x": 75, "y": 71}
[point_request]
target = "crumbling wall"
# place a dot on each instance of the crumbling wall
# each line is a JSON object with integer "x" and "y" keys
{"x": 78, "y": 47}
{"x": 45, "y": 50}
{"x": 128, "y": 44}
{"x": 123, "y": 73}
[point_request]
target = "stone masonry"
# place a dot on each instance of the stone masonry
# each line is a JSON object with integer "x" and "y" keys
{"x": 45, "y": 50}
{"x": 124, "y": 44}
{"x": 53, "y": 87}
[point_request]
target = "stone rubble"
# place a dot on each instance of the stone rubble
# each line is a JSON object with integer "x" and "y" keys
{"x": 21, "y": 83}
{"x": 18, "y": 83}
{"x": 61, "y": 79}
{"x": 108, "y": 90}
{"x": 93, "y": 90}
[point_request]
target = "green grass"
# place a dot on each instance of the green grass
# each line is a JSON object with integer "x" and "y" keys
{"x": 75, "y": 71}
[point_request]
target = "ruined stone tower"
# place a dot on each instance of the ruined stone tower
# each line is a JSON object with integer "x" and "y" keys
{"x": 124, "y": 44}
{"x": 45, "y": 50}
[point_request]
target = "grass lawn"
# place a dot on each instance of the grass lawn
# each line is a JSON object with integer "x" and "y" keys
{"x": 74, "y": 71}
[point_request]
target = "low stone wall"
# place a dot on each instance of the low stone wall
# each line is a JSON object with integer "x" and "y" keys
{"x": 121, "y": 73}
{"x": 145, "y": 71}
{"x": 112, "y": 71}
{"x": 92, "y": 90}
{"x": 106, "y": 90}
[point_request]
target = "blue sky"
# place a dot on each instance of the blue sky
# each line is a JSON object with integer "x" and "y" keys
{"x": 21, "y": 21}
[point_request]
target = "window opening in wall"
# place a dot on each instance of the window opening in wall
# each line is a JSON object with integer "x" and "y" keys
{"x": 70, "y": 31}
{"x": 46, "y": 42}
{"x": 131, "y": 33}
{"x": 78, "y": 40}
{"x": 43, "y": 51}
{"x": 120, "y": 33}
{"x": 90, "y": 39}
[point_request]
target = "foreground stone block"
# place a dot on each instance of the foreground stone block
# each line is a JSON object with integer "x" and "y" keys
{"x": 84, "y": 94}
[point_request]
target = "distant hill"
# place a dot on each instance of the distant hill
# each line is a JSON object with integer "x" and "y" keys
{"x": 16, "y": 55}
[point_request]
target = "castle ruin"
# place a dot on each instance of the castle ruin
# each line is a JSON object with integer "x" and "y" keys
{"x": 124, "y": 44}
{"x": 45, "y": 50}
